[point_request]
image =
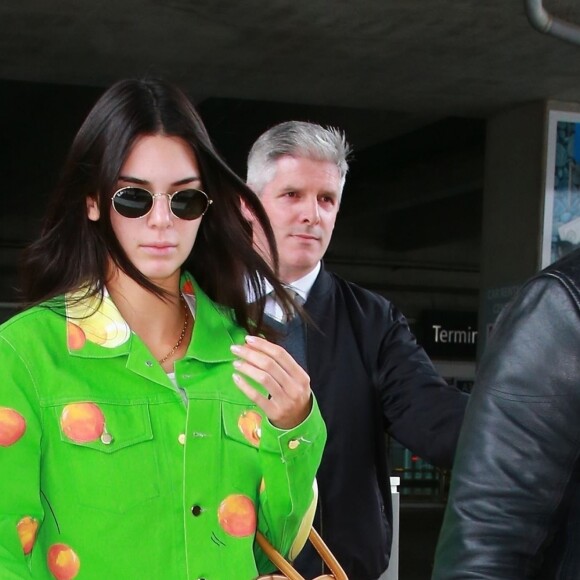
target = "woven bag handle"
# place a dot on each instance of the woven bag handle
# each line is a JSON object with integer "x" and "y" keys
{"x": 328, "y": 557}
{"x": 288, "y": 570}
{"x": 277, "y": 559}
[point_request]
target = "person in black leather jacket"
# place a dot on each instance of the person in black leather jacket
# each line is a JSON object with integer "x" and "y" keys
{"x": 514, "y": 505}
{"x": 368, "y": 372}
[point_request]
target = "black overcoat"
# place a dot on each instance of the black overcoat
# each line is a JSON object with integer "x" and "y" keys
{"x": 370, "y": 377}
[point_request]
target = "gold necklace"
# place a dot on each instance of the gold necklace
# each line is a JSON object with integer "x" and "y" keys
{"x": 182, "y": 335}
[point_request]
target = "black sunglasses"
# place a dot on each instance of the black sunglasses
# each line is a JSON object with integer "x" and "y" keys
{"x": 137, "y": 202}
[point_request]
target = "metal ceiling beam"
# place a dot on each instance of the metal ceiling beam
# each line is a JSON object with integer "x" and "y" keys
{"x": 543, "y": 21}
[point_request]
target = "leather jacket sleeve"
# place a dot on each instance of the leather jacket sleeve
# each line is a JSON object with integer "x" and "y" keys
{"x": 518, "y": 449}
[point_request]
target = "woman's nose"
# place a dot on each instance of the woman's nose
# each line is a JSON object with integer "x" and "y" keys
{"x": 160, "y": 215}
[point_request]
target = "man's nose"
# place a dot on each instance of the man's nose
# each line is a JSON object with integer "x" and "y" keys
{"x": 311, "y": 211}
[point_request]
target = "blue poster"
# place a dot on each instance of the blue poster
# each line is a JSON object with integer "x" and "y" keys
{"x": 565, "y": 229}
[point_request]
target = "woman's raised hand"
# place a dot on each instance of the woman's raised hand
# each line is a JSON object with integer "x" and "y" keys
{"x": 290, "y": 399}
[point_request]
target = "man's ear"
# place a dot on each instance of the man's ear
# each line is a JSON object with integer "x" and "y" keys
{"x": 246, "y": 212}
{"x": 93, "y": 211}
{"x": 260, "y": 243}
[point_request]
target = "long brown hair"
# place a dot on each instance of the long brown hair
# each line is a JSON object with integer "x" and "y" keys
{"x": 74, "y": 252}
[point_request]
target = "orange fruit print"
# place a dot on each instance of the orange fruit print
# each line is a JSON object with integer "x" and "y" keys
{"x": 250, "y": 423}
{"x": 62, "y": 562}
{"x": 27, "y": 528}
{"x": 75, "y": 335}
{"x": 98, "y": 322}
{"x": 12, "y": 426}
{"x": 237, "y": 515}
{"x": 82, "y": 422}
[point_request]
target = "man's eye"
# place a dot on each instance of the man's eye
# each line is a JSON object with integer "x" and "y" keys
{"x": 290, "y": 194}
{"x": 327, "y": 200}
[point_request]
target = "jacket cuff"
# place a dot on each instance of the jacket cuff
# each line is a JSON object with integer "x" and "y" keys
{"x": 295, "y": 442}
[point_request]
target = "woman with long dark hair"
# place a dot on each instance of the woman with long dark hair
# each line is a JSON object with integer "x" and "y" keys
{"x": 147, "y": 429}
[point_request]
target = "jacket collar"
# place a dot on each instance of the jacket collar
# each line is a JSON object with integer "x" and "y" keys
{"x": 96, "y": 328}
{"x": 320, "y": 289}
{"x": 216, "y": 330}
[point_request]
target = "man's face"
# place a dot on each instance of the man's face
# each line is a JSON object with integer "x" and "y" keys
{"x": 301, "y": 201}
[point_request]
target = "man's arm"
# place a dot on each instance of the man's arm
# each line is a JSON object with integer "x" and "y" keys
{"x": 519, "y": 444}
{"x": 422, "y": 411}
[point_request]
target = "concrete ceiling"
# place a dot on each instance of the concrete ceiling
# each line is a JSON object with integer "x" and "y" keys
{"x": 439, "y": 58}
{"x": 411, "y": 82}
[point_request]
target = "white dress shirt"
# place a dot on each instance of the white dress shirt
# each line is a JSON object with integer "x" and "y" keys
{"x": 302, "y": 287}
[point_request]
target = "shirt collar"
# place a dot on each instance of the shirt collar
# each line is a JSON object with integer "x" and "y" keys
{"x": 302, "y": 286}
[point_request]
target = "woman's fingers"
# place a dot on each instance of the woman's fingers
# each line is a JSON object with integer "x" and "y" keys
{"x": 283, "y": 358}
{"x": 288, "y": 385}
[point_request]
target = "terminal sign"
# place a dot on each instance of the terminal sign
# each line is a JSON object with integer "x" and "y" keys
{"x": 454, "y": 336}
{"x": 449, "y": 335}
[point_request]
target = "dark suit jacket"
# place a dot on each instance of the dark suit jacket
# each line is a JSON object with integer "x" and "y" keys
{"x": 369, "y": 376}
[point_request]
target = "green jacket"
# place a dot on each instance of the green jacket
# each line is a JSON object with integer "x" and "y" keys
{"x": 106, "y": 472}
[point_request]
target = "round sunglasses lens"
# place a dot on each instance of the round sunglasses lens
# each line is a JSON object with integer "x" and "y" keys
{"x": 189, "y": 204}
{"x": 132, "y": 202}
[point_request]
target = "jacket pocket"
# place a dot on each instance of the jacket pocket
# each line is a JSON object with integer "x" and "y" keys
{"x": 242, "y": 423}
{"x": 241, "y": 426}
{"x": 110, "y": 454}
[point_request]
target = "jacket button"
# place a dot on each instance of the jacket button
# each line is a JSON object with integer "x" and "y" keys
{"x": 181, "y": 438}
{"x": 293, "y": 443}
{"x": 196, "y": 510}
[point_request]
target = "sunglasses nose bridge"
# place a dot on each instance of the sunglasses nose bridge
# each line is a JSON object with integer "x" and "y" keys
{"x": 167, "y": 209}
{"x": 157, "y": 195}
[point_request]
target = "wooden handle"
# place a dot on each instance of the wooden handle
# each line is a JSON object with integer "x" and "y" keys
{"x": 277, "y": 559}
{"x": 286, "y": 568}
{"x": 327, "y": 555}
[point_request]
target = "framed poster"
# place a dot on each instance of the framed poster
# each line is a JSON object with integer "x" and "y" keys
{"x": 561, "y": 231}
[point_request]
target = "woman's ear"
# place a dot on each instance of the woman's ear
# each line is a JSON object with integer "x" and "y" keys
{"x": 93, "y": 211}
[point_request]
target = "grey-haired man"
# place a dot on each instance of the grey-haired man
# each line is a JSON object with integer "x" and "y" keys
{"x": 367, "y": 371}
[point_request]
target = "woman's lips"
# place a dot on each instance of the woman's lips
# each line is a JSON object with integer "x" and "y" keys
{"x": 159, "y": 248}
